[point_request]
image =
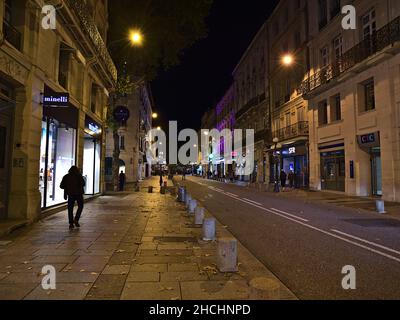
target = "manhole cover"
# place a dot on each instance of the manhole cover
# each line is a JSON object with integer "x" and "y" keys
{"x": 375, "y": 223}
{"x": 175, "y": 239}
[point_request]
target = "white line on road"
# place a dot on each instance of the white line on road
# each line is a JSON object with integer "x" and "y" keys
{"x": 232, "y": 194}
{"x": 290, "y": 215}
{"x": 320, "y": 230}
{"x": 366, "y": 241}
{"x": 257, "y": 203}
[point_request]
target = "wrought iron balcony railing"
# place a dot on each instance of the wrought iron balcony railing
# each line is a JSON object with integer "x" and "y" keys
{"x": 12, "y": 35}
{"x": 90, "y": 28}
{"x": 296, "y": 130}
{"x": 384, "y": 37}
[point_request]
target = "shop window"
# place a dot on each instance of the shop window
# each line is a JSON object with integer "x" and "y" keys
{"x": 91, "y": 165}
{"x": 336, "y": 108}
{"x": 367, "y": 95}
{"x": 323, "y": 113}
{"x": 58, "y": 145}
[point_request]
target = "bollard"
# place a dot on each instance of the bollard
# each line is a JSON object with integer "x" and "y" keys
{"x": 137, "y": 188}
{"x": 227, "y": 255}
{"x": 199, "y": 216}
{"x": 209, "y": 229}
{"x": 162, "y": 190}
{"x": 150, "y": 189}
{"x": 380, "y": 206}
{"x": 181, "y": 194}
{"x": 187, "y": 199}
{"x": 264, "y": 289}
{"x": 192, "y": 206}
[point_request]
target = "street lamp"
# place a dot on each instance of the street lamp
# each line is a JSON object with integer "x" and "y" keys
{"x": 287, "y": 60}
{"x": 277, "y": 146}
{"x": 154, "y": 115}
{"x": 136, "y": 37}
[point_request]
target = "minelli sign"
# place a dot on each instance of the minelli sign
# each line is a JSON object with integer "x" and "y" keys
{"x": 56, "y": 99}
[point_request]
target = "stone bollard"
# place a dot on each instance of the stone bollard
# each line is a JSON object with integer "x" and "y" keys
{"x": 209, "y": 229}
{"x": 150, "y": 189}
{"x": 227, "y": 260}
{"x": 192, "y": 206}
{"x": 380, "y": 206}
{"x": 181, "y": 194}
{"x": 199, "y": 216}
{"x": 187, "y": 199}
{"x": 264, "y": 289}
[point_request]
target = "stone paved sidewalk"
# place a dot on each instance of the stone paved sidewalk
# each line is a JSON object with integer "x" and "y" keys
{"x": 131, "y": 246}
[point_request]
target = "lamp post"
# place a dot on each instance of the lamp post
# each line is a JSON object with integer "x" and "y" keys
{"x": 277, "y": 160}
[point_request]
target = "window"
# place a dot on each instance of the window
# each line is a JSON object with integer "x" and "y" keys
{"x": 338, "y": 47}
{"x": 122, "y": 143}
{"x": 286, "y": 16}
{"x": 324, "y": 56}
{"x": 369, "y": 24}
{"x": 297, "y": 39}
{"x": 287, "y": 90}
{"x": 12, "y": 19}
{"x": 63, "y": 66}
{"x": 369, "y": 95}
{"x": 93, "y": 98}
{"x": 334, "y": 8}
{"x": 300, "y": 115}
{"x": 323, "y": 113}
{"x": 336, "y": 108}
{"x": 323, "y": 13}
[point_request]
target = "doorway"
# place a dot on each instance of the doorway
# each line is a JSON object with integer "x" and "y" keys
{"x": 376, "y": 172}
{"x": 4, "y": 162}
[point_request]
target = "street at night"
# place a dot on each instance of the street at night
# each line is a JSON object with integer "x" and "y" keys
{"x": 200, "y": 158}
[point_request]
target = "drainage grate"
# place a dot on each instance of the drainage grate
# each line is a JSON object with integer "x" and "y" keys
{"x": 375, "y": 223}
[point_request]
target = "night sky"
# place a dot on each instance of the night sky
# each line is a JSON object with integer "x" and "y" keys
{"x": 185, "y": 92}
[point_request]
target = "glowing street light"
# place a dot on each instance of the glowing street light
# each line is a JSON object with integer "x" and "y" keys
{"x": 287, "y": 60}
{"x": 136, "y": 38}
{"x": 158, "y": 128}
{"x": 154, "y": 115}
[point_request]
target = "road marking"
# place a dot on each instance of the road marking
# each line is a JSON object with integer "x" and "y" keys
{"x": 366, "y": 241}
{"x": 232, "y": 194}
{"x": 257, "y": 203}
{"x": 320, "y": 230}
{"x": 291, "y": 215}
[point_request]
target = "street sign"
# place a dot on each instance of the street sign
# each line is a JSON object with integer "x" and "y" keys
{"x": 121, "y": 114}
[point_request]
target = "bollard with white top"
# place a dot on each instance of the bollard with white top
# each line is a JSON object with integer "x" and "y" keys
{"x": 199, "y": 216}
{"x": 380, "y": 206}
{"x": 192, "y": 206}
{"x": 227, "y": 255}
{"x": 209, "y": 229}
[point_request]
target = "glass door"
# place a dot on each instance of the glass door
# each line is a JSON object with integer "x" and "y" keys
{"x": 91, "y": 165}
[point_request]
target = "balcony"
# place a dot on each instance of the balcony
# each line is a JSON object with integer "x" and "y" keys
{"x": 87, "y": 29}
{"x": 12, "y": 35}
{"x": 384, "y": 37}
{"x": 296, "y": 130}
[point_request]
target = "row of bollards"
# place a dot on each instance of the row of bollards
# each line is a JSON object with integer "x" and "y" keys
{"x": 227, "y": 255}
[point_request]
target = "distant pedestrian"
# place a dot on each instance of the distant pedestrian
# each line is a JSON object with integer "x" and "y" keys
{"x": 161, "y": 179}
{"x": 283, "y": 178}
{"x": 73, "y": 185}
{"x": 122, "y": 181}
{"x": 291, "y": 177}
{"x": 184, "y": 174}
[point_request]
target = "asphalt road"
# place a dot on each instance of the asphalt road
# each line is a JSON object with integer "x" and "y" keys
{"x": 307, "y": 245}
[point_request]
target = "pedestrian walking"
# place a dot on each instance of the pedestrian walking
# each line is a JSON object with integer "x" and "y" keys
{"x": 291, "y": 177}
{"x": 122, "y": 181}
{"x": 283, "y": 178}
{"x": 161, "y": 179}
{"x": 73, "y": 185}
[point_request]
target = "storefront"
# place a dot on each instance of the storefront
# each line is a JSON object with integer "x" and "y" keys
{"x": 295, "y": 159}
{"x": 92, "y": 156}
{"x": 58, "y": 146}
{"x": 370, "y": 143}
{"x": 333, "y": 170}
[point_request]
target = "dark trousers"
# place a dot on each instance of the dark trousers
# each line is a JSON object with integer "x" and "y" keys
{"x": 71, "y": 204}
{"x": 121, "y": 186}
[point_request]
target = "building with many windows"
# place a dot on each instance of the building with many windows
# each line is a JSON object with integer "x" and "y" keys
{"x": 251, "y": 96}
{"x": 353, "y": 91}
{"x": 54, "y": 86}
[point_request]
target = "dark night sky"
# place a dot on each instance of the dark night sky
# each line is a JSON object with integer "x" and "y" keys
{"x": 187, "y": 91}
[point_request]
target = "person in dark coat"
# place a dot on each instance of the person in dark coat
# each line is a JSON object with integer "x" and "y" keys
{"x": 291, "y": 177}
{"x": 283, "y": 178}
{"x": 122, "y": 181}
{"x": 73, "y": 185}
